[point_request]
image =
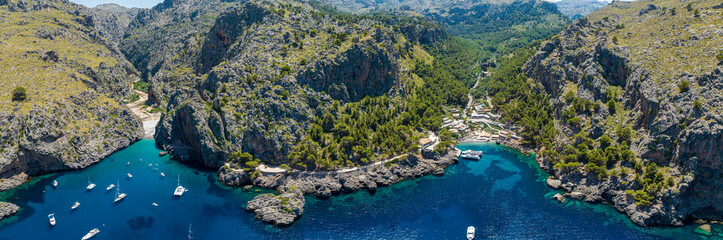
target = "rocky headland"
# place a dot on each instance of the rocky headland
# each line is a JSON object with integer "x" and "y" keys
{"x": 639, "y": 123}
{"x": 61, "y": 92}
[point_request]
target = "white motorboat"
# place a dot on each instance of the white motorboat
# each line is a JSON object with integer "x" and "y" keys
{"x": 119, "y": 196}
{"x": 129, "y": 175}
{"x": 55, "y": 183}
{"x": 128, "y": 163}
{"x": 179, "y": 190}
{"x": 150, "y": 165}
{"x": 155, "y": 204}
{"x": 75, "y": 205}
{"x": 90, "y": 234}
{"x": 111, "y": 186}
{"x": 51, "y": 217}
{"x": 470, "y": 233}
{"x": 163, "y": 175}
{"x": 90, "y": 185}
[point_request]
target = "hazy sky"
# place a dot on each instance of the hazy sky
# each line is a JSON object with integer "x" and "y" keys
{"x": 125, "y": 3}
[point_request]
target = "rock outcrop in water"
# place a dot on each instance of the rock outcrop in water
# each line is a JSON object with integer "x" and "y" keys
{"x": 280, "y": 210}
{"x": 7, "y": 209}
{"x": 70, "y": 115}
{"x": 639, "y": 109}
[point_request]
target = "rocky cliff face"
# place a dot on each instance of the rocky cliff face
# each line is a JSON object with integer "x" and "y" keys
{"x": 112, "y": 20}
{"x": 71, "y": 115}
{"x": 651, "y": 67}
{"x": 250, "y": 77}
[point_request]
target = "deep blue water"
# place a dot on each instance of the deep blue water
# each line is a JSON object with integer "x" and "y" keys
{"x": 503, "y": 195}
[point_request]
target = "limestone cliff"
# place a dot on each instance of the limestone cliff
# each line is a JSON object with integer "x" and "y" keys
{"x": 646, "y": 76}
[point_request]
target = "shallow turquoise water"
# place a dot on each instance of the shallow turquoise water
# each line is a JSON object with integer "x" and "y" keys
{"x": 503, "y": 195}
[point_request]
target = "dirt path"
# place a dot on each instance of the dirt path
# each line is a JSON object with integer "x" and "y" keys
{"x": 139, "y": 108}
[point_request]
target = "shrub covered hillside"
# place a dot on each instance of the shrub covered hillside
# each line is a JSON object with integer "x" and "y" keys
{"x": 635, "y": 90}
{"x": 60, "y": 92}
{"x": 491, "y": 27}
{"x": 294, "y": 83}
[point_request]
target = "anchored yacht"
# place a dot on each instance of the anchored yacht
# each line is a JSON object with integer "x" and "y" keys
{"x": 75, "y": 205}
{"x": 51, "y": 217}
{"x": 179, "y": 190}
{"x": 90, "y": 234}
{"x": 90, "y": 185}
{"x": 119, "y": 196}
{"x": 470, "y": 233}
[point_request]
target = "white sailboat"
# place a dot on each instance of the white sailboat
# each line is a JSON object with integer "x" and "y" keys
{"x": 118, "y": 196}
{"x": 90, "y": 185}
{"x": 75, "y": 205}
{"x": 51, "y": 217}
{"x": 90, "y": 234}
{"x": 55, "y": 183}
{"x": 179, "y": 190}
{"x": 111, "y": 186}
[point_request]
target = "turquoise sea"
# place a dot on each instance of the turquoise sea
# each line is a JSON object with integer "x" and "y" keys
{"x": 503, "y": 195}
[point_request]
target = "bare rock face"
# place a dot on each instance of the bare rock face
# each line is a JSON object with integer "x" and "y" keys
{"x": 280, "y": 210}
{"x": 7, "y": 209}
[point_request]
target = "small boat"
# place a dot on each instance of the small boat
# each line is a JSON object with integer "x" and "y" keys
{"x": 155, "y": 204}
{"x": 111, "y": 186}
{"x": 140, "y": 160}
{"x": 55, "y": 183}
{"x": 163, "y": 175}
{"x": 119, "y": 196}
{"x": 128, "y": 163}
{"x": 90, "y": 234}
{"x": 90, "y": 185}
{"x": 75, "y": 205}
{"x": 51, "y": 217}
{"x": 470, "y": 157}
{"x": 470, "y": 233}
{"x": 179, "y": 190}
{"x": 150, "y": 165}
{"x": 129, "y": 175}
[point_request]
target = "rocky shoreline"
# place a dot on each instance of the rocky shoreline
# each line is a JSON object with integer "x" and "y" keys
{"x": 8, "y": 209}
{"x": 326, "y": 184}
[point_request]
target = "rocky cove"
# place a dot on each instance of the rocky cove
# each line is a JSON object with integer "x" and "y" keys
{"x": 326, "y": 184}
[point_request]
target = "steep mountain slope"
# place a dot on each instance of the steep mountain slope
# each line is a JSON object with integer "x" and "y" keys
{"x": 112, "y": 20}
{"x": 60, "y": 93}
{"x": 501, "y": 28}
{"x": 252, "y": 77}
{"x": 576, "y": 9}
{"x": 636, "y": 89}
{"x": 493, "y": 27}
